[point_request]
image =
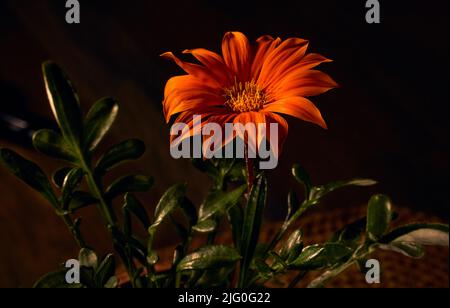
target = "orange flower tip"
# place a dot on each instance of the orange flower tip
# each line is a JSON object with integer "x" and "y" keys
{"x": 167, "y": 55}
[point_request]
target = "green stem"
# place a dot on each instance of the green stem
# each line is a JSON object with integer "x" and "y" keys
{"x": 280, "y": 234}
{"x": 105, "y": 210}
{"x": 74, "y": 230}
{"x": 362, "y": 252}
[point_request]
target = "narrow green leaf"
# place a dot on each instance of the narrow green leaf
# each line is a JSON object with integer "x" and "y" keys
{"x": 210, "y": 257}
{"x": 291, "y": 249}
{"x": 236, "y": 219}
{"x": 28, "y": 172}
{"x": 71, "y": 182}
{"x": 130, "y": 183}
{"x": 379, "y": 214}
{"x": 293, "y": 204}
{"x": 63, "y": 101}
{"x": 424, "y": 234}
{"x": 206, "y": 226}
{"x": 350, "y": 234}
{"x": 52, "y": 144}
{"x": 322, "y": 256}
{"x": 320, "y": 191}
{"x": 303, "y": 178}
{"x": 128, "y": 150}
{"x": 59, "y": 176}
{"x": 220, "y": 202}
{"x": 168, "y": 203}
{"x": 409, "y": 249}
{"x": 112, "y": 283}
{"x": 99, "y": 121}
{"x": 215, "y": 278}
{"x": 136, "y": 207}
{"x": 80, "y": 199}
{"x": 105, "y": 271}
{"x": 253, "y": 216}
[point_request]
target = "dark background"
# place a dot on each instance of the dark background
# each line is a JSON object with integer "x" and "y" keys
{"x": 388, "y": 121}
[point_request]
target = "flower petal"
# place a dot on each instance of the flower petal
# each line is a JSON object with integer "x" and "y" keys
{"x": 298, "y": 107}
{"x": 252, "y": 138}
{"x": 265, "y": 45}
{"x": 195, "y": 70}
{"x": 287, "y": 54}
{"x": 214, "y": 63}
{"x": 236, "y": 52}
{"x": 283, "y": 130}
{"x": 303, "y": 83}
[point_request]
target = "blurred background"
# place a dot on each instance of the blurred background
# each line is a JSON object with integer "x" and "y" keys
{"x": 388, "y": 121}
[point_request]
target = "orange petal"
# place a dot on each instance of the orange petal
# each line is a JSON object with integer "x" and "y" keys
{"x": 214, "y": 63}
{"x": 252, "y": 138}
{"x": 305, "y": 83}
{"x": 287, "y": 54}
{"x": 237, "y": 54}
{"x": 265, "y": 45}
{"x": 195, "y": 70}
{"x": 298, "y": 107}
{"x": 283, "y": 129}
{"x": 175, "y": 103}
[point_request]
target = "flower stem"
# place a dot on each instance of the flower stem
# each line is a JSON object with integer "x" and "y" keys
{"x": 250, "y": 170}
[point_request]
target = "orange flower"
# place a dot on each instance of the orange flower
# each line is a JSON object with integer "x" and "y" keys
{"x": 248, "y": 84}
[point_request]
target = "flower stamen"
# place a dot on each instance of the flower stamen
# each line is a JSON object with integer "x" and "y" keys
{"x": 244, "y": 97}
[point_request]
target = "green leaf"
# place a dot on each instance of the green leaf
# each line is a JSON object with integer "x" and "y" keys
{"x": 320, "y": 191}
{"x": 52, "y": 144}
{"x": 206, "y": 226}
{"x": 423, "y": 234}
{"x": 136, "y": 207}
{"x": 81, "y": 199}
{"x": 55, "y": 280}
{"x": 220, "y": 202}
{"x": 105, "y": 271}
{"x": 130, "y": 183}
{"x": 99, "y": 121}
{"x": 128, "y": 150}
{"x": 350, "y": 234}
{"x": 112, "y": 283}
{"x": 87, "y": 258}
{"x": 210, "y": 257}
{"x": 379, "y": 214}
{"x": 71, "y": 182}
{"x": 168, "y": 203}
{"x": 253, "y": 216}
{"x": 303, "y": 178}
{"x": 236, "y": 219}
{"x": 215, "y": 278}
{"x": 28, "y": 172}
{"x": 291, "y": 249}
{"x": 409, "y": 249}
{"x": 64, "y": 102}
{"x": 322, "y": 256}
{"x": 293, "y": 204}
{"x": 59, "y": 176}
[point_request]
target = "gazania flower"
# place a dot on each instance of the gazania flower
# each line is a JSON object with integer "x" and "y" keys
{"x": 248, "y": 83}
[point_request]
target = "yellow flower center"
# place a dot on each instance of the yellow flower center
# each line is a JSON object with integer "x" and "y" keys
{"x": 244, "y": 97}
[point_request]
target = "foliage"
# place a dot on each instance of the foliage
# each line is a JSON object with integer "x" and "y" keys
{"x": 244, "y": 263}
